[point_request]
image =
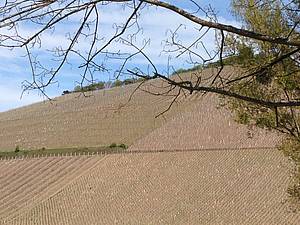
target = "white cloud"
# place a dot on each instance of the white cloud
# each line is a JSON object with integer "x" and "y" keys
{"x": 155, "y": 23}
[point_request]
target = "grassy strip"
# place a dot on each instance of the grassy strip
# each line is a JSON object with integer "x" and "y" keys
{"x": 113, "y": 148}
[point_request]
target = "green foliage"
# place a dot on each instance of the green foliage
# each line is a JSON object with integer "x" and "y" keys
{"x": 77, "y": 88}
{"x": 113, "y": 145}
{"x": 17, "y": 149}
{"x": 291, "y": 148}
{"x": 181, "y": 70}
{"x": 129, "y": 81}
{"x": 102, "y": 85}
{"x": 270, "y": 83}
{"x": 123, "y": 146}
{"x": 117, "y": 83}
{"x": 92, "y": 87}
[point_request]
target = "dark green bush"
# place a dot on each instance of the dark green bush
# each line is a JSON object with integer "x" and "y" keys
{"x": 113, "y": 145}
{"x": 123, "y": 146}
{"x": 17, "y": 149}
{"x": 291, "y": 148}
{"x": 117, "y": 83}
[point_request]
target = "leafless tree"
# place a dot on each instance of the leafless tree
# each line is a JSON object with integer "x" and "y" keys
{"x": 46, "y": 15}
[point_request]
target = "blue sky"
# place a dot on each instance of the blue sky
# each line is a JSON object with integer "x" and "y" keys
{"x": 14, "y": 68}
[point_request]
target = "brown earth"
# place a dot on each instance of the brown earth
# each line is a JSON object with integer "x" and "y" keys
{"x": 24, "y": 183}
{"x": 77, "y": 121}
{"x": 99, "y": 120}
{"x": 218, "y": 173}
{"x": 204, "y": 125}
{"x": 195, "y": 187}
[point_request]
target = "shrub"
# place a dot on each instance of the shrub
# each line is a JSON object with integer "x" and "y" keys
{"x": 117, "y": 83}
{"x": 291, "y": 148}
{"x": 129, "y": 81}
{"x": 77, "y": 88}
{"x": 113, "y": 145}
{"x": 123, "y": 146}
{"x": 66, "y": 92}
{"x": 17, "y": 149}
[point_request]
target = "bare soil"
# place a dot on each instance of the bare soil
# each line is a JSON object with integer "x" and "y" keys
{"x": 218, "y": 173}
{"x": 200, "y": 187}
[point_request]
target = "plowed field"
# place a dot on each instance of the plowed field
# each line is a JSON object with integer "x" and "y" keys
{"x": 199, "y": 187}
{"x": 194, "y": 165}
{"x": 99, "y": 120}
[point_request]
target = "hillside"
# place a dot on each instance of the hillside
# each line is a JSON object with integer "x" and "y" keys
{"x": 195, "y": 187}
{"x": 25, "y": 183}
{"x": 107, "y": 117}
{"x": 194, "y": 165}
{"x": 75, "y": 120}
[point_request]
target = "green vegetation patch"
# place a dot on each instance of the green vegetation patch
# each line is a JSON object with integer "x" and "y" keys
{"x": 291, "y": 149}
{"x": 18, "y": 152}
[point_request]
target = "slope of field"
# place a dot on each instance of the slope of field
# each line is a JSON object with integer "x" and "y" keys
{"x": 203, "y": 169}
{"x": 204, "y": 125}
{"x": 26, "y": 182}
{"x": 200, "y": 187}
{"x": 107, "y": 117}
{"x": 77, "y": 121}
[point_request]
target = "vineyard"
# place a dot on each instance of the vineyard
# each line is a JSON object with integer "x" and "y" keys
{"x": 196, "y": 187}
{"x": 26, "y": 182}
{"x": 192, "y": 165}
{"x": 97, "y": 119}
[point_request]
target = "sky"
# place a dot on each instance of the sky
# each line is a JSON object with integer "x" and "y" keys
{"x": 156, "y": 24}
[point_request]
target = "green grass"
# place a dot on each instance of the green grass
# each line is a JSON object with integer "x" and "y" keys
{"x": 61, "y": 151}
